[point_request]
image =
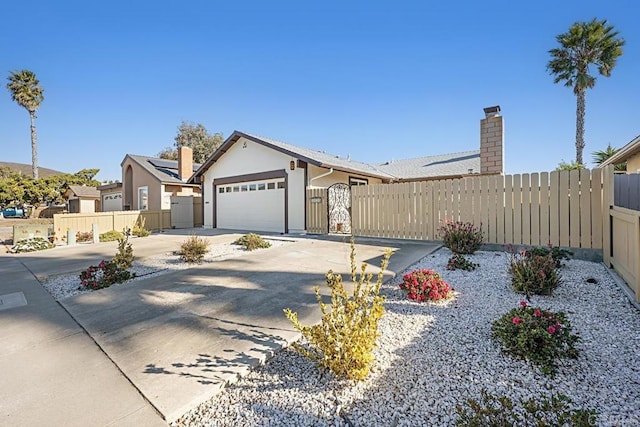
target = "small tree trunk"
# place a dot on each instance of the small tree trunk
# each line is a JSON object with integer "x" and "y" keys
{"x": 580, "y": 109}
{"x": 34, "y": 145}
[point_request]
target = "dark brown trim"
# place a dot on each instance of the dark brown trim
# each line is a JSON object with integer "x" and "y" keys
{"x": 286, "y": 203}
{"x": 280, "y": 173}
{"x": 304, "y": 195}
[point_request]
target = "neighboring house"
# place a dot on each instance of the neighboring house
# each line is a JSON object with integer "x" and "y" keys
{"x": 630, "y": 153}
{"x": 111, "y": 197}
{"x": 256, "y": 183}
{"x": 149, "y": 182}
{"x": 82, "y": 199}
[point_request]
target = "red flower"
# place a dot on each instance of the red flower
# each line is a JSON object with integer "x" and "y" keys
{"x": 517, "y": 320}
{"x": 551, "y": 330}
{"x": 523, "y": 303}
{"x": 537, "y": 313}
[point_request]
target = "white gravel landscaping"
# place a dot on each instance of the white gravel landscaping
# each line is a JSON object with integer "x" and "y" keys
{"x": 432, "y": 356}
{"x": 68, "y": 285}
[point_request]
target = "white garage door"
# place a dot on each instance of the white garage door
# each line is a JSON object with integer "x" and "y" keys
{"x": 112, "y": 202}
{"x": 255, "y": 206}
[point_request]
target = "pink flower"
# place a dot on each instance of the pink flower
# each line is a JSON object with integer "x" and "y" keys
{"x": 551, "y": 330}
{"x": 516, "y": 320}
{"x": 537, "y": 313}
{"x": 523, "y": 303}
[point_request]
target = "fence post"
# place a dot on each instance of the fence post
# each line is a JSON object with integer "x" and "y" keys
{"x": 607, "y": 202}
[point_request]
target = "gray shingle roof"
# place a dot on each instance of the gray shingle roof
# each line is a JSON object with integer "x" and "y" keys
{"x": 84, "y": 191}
{"x": 327, "y": 160}
{"x": 455, "y": 164}
{"x": 442, "y": 165}
{"x": 166, "y": 171}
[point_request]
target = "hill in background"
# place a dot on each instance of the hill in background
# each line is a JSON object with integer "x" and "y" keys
{"x": 26, "y": 169}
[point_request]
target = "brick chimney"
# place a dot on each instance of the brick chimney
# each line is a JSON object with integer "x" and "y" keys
{"x": 492, "y": 142}
{"x": 185, "y": 163}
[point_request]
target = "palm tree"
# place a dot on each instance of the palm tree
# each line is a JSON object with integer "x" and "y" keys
{"x": 586, "y": 44}
{"x": 26, "y": 91}
{"x": 601, "y": 155}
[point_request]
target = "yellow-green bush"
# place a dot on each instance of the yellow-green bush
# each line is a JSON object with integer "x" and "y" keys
{"x": 111, "y": 236}
{"x": 194, "y": 249}
{"x": 252, "y": 242}
{"x": 344, "y": 340}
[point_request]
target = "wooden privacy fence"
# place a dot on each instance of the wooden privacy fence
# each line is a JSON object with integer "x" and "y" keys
{"x": 564, "y": 208}
{"x": 626, "y": 191}
{"x": 624, "y": 252}
{"x": 107, "y": 221}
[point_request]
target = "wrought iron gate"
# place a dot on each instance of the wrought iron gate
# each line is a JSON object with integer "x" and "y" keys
{"x": 339, "y": 205}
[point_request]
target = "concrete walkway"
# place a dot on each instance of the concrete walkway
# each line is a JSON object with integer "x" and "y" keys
{"x": 53, "y": 373}
{"x": 181, "y": 336}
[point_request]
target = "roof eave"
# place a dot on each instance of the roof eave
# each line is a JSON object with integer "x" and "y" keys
{"x": 625, "y": 152}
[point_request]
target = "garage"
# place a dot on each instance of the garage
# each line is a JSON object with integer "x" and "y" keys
{"x": 254, "y": 205}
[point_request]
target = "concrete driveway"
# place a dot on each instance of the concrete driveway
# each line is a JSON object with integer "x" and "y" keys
{"x": 180, "y": 337}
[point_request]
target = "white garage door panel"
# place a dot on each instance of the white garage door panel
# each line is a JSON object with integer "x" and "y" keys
{"x": 260, "y": 210}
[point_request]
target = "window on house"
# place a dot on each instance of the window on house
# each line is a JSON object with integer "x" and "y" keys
{"x": 252, "y": 187}
{"x": 271, "y": 185}
{"x": 236, "y": 188}
{"x": 221, "y": 190}
{"x": 281, "y": 184}
{"x": 261, "y": 186}
{"x": 243, "y": 188}
{"x": 358, "y": 181}
{"x": 228, "y": 189}
{"x": 143, "y": 198}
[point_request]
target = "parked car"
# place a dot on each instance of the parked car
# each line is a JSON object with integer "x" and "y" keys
{"x": 13, "y": 212}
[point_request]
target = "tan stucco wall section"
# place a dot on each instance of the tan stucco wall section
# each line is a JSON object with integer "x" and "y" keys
{"x": 142, "y": 178}
{"x": 633, "y": 164}
{"x": 333, "y": 178}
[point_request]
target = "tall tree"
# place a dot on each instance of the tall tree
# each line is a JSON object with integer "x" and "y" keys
{"x": 198, "y": 138}
{"x": 601, "y": 155}
{"x": 26, "y": 91}
{"x": 586, "y": 44}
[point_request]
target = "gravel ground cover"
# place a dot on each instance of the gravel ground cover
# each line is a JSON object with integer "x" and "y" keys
{"x": 432, "y": 356}
{"x": 68, "y": 285}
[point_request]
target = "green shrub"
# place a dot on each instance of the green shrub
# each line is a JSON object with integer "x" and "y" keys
{"x": 459, "y": 262}
{"x": 84, "y": 236}
{"x": 344, "y": 340}
{"x": 194, "y": 249}
{"x": 252, "y": 242}
{"x": 422, "y": 285}
{"x": 32, "y": 244}
{"x": 500, "y": 411}
{"x": 533, "y": 275}
{"x": 124, "y": 257}
{"x": 460, "y": 237}
{"x": 537, "y": 335}
{"x": 111, "y": 236}
{"x": 103, "y": 275}
{"x": 558, "y": 254}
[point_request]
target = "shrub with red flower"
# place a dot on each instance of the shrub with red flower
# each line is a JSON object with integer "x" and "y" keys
{"x": 103, "y": 275}
{"x": 422, "y": 285}
{"x": 538, "y": 335}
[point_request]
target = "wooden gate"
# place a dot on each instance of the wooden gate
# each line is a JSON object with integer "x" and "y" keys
{"x": 317, "y": 208}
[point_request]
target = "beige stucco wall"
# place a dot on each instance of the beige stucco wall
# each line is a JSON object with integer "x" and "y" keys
{"x": 87, "y": 206}
{"x": 247, "y": 157}
{"x": 333, "y": 178}
{"x": 633, "y": 164}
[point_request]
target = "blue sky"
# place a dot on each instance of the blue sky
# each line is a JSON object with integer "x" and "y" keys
{"x": 376, "y": 80}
